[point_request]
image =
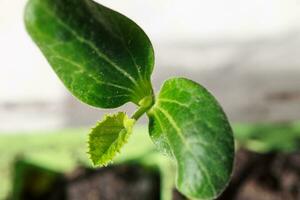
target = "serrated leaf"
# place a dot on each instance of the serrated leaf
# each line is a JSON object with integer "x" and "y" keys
{"x": 108, "y": 137}
{"x": 188, "y": 124}
{"x": 101, "y": 56}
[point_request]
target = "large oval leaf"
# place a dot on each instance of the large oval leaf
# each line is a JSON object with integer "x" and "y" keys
{"x": 187, "y": 123}
{"x": 108, "y": 137}
{"x": 101, "y": 56}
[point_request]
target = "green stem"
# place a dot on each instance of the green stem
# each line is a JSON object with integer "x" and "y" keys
{"x": 145, "y": 104}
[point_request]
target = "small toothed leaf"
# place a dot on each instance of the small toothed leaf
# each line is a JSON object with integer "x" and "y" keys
{"x": 108, "y": 137}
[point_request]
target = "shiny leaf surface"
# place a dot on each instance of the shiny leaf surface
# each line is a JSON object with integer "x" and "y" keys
{"x": 101, "y": 56}
{"x": 188, "y": 124}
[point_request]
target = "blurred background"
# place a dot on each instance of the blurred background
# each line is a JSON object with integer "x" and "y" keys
{"x": 245, "y": 52}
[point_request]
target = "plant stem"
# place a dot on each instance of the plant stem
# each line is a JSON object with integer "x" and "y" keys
{"x": 145, "y": 104}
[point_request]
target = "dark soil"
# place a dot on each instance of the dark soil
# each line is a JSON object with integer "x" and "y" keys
{"x": 114, "y": 183}
{"x": 256, "y": 177}
{"x": 271, "y": 176}
{"x": 124, "y": 182}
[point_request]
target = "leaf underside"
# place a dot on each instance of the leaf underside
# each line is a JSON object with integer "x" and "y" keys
{"x": 101, "y": 56}
{"x": 108, "y": 137}
{"x": 188, "y": 124}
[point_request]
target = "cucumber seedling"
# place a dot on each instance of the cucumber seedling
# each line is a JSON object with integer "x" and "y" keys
{"x": 106, "y": 60}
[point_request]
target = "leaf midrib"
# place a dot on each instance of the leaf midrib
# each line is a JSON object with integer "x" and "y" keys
{"x": 186, "y": 144}
{"x": 90, "y": 44}
{"x": 119, "y": 36}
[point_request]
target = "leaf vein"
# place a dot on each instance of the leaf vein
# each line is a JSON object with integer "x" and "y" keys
{"x": 174, "y": 102}
{"x": 92, "y": 46}
{"x": 179, "y": 132}
{"x": 82, "y": 69}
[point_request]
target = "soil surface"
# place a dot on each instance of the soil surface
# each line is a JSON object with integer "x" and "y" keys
{"x": 114, "y": 183}
{"x": 271, "y": 176}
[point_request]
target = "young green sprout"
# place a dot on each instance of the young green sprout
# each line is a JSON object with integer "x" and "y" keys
{"x": 106, "y": 60}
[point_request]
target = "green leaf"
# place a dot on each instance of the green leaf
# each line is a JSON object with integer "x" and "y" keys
{"x": 188, "y": 124}
{"x": 108, "y": 137}
{"x": 101, "y": 56}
